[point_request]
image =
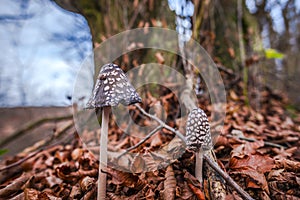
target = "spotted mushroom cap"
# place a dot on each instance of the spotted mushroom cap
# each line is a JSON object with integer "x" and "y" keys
{"x": 112, "y": 87}
{"x": 198, "y": 131}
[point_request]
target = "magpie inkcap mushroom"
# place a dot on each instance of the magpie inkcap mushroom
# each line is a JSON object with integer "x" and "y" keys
{"x": 198, "y": 131}
{"x": 112, "y": 87}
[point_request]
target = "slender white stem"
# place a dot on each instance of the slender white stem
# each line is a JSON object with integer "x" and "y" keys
{"x": 103, "y": 154}
{"x": 199, "y": 166}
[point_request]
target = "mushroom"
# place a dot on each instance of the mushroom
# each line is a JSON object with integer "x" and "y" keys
{"x": 112, "y": 87}
{"x": 198, "y": 137}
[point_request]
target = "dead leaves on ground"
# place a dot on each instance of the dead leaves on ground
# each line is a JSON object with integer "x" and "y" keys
{"x": 259, "y": 147}
{"x": 71, "y": 173}
{"x": 54, "y": 173}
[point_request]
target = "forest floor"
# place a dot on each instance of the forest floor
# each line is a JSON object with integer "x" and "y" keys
{"x": 258, "y": 148}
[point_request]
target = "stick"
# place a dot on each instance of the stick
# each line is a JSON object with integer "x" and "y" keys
{"x": 254, "y": 140}
{"x": 161, "y": 123}
{"x": 141, "y": 142}
{"x": 227, "y": 178}
{"x": 213, "y": 164}
{"x": 21, "y": 160}
{"x": 31, "y": 126}
{"x": 47, "y": 141}
{"x": 14, "y": 186}
{"x": 32, "y": 154}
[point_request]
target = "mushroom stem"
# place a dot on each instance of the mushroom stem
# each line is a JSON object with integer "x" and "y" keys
{"x": 199, "y": 166}
{"x": 103, "y": 154}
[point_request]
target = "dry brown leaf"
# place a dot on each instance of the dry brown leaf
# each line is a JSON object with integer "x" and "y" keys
{"x": 169, "y": 184}
{"x": 75, "y": 192}
{"x": 53, "y": 180}
{"x": 31, "y": 194}
{"x": 274, "y": 174}
{"x": 199, "y": 194}
{"x": 138, "y": 164}
{"x": 186, "y": 192}
{"x": 289, "y": 165}
{"x": 255, "y": 179}
{"x": 253, "y": 167}
{"x": 62, "y": 156}
{"x": 14, "y": 186}
{"x": 150, "y": 195}
{"x": 261, "y": 163}
{"x": 151, "y": 163}
{"x": 251, "y": 147}
{"x": 86, "y": 183}
{"x": 47, "y": 196}
{"x": 125, "y": 179}
{"x": 77, "y": 153}
{"x": 155, "y": 141}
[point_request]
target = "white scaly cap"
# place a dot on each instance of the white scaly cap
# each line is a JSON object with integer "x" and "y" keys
{"x": 198, "y": 131}
{"x": 112, "y": 87}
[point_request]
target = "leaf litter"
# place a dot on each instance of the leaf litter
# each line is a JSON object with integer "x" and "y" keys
{"x": 259, "y": 149}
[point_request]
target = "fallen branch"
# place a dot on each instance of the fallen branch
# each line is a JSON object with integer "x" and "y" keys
{"x": 20, "y": 196}
{"x": 91, "y": 194}
{"x": 161, "y": 123}
{"x": 31, "y": 126}
{"x": 254, "y": 140}
{"x": 21, "y": 160}
{"x": 56, "y": 135}
{"x": 211, "y": 160}
{"x": 226, "y": 70}
{"x": 227, "y": 178}
{"x": 141, "y": 142}
{"x": 15, "y": 186}
{"x": 31, "y": 155}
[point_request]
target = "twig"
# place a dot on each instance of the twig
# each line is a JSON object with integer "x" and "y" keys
{"x": 32, "y": 126}
{"x": 254, "y": 140}
{"x": 14, "y": 186}
{"x": 19, "y": 196}
{"x": 212, "y": 163}
{"x": 90, "y": 194}
{"x": 55, "y": 135}
{"x": 141, "y": 142}
{"x": 227, "y": 178}
{"x": 226, "y": 70}
{"x": 17, "y": 163}
{"x": 21, "y": 160}
{"x": 162, "y": 124}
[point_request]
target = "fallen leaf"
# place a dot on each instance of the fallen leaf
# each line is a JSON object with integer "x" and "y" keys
{"x": 169, "y": 183}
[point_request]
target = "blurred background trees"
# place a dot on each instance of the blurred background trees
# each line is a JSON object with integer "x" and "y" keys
{"x": 268, "y": 51}
{"x": 267, "y": 26}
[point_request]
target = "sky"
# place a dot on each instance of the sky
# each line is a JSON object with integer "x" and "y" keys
{"x": 42, "y": 48}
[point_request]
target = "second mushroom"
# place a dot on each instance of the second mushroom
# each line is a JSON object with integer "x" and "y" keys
{"x": 198, "y": 137}
{"x": 112, "y": 87}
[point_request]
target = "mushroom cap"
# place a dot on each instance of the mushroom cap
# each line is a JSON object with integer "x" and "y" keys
{"x": 112, "y": 87}
{"x": 198, "y": 131}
